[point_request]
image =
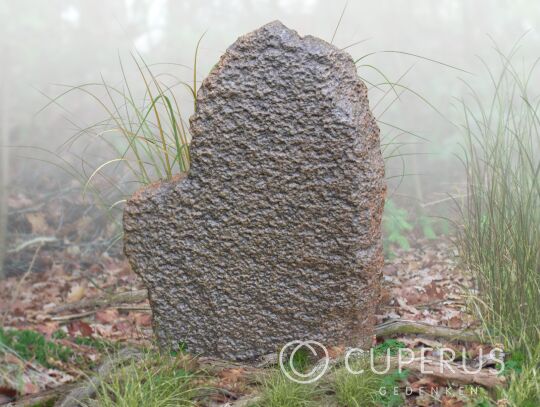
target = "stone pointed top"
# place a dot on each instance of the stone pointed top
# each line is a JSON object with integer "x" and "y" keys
{"x": 275, "y": 25}
{"x": 268, "y": 33}
{"x": 274, "y": 235}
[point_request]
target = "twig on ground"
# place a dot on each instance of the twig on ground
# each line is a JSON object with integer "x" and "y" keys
{"x": 133, "y": 308}
{"x": 453, "y": 372}
{"x": 402, "y": 326}
{"x": 40, "y": 240}
{"x": 107, "y": 301}
{"x": 430, "y": 304}
{"x": 80, "y": 315}
{"x": 65, "y": 318}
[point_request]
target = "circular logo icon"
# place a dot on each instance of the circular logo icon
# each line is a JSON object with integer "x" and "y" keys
{"x": 288, "y": 368}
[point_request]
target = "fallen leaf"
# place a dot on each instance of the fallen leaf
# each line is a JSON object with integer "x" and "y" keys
{"x": 107, "y": 316}
{"x": 411, "y": 295}
{"x": 73, "y": 250}
{"x": 48, "y": 328}
{"x": 122, "y": 326}
{"x": 233, "y": 375}
{"x": 12, "y": 359}
{"x": 76, "y": 293}
{"x": 95, "y": 268}
{"x": 7, "y": 394}
{"x": 423, "y": 401}
{"x": 31, "y": 388}
{"x": 335, "y": 351}
{"x": 38, "y": 222}
{"x": 424, "y": 385}
{"x": 434, "y": 291}
{"x": 80, "y": 327}
{"x": 142, "y": 319}
{"x": 455, "y": 322}
{"x": 18, "y": 201}
{"x": 403, "y": 304}
{"x": 5, "y": 399}
{"x": 447, "y": 401}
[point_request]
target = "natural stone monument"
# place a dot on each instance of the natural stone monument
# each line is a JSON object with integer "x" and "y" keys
{"x": 274, "y": 235}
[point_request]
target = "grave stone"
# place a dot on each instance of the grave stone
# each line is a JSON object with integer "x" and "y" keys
{"x": 275, "y": 233}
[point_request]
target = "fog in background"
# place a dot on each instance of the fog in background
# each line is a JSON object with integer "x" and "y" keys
{"x": 44, "y": 44}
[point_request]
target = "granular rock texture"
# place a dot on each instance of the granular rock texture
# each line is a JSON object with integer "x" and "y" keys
{"x": 274, "y": 235}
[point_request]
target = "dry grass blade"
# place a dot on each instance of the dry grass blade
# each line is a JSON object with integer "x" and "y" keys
{"x": 501, "y": 214}
{"x": 143, "y": 137}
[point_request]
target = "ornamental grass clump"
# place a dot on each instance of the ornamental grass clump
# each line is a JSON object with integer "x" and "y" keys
{"x": 501, "y": 235}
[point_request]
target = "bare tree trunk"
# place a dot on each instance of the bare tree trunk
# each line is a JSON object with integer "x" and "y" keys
{"x": 4, "y": 166}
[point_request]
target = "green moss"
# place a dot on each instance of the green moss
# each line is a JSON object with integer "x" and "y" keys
{"x": 33, "y": 346}
{"x": 390, "y": 345}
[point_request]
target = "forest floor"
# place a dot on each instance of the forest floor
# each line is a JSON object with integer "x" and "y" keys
{"x": 70, "y": 294}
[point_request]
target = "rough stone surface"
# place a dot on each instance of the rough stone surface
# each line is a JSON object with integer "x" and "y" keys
{"x": 274, "y": 235}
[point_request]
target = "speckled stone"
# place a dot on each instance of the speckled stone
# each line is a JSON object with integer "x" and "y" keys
{"x": 275, "y": 234}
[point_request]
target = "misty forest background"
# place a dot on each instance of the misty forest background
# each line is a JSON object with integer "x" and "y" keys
{"x": 76, "y": 42}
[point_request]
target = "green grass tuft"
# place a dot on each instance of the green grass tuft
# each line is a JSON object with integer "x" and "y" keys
{"x": 524, "y": 388}
{"x": 142, "y": 138}
{"x": 280, "y": 391}
{"x": 157, "y": 380}
{"x": 368, "y": 388}
{"x": 500, "y": 239}
{"x": 358, "y": 390}
{"x": 501, "y": 234}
